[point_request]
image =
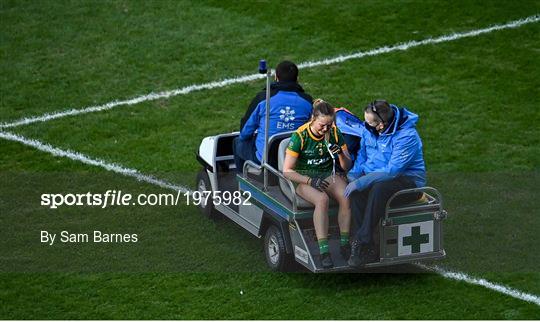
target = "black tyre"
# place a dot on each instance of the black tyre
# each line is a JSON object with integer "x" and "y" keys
{"x": 274, "y": 249}
{"x": 203, "y": 184}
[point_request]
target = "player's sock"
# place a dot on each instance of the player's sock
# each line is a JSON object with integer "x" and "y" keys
{"x": 323, "y": 245}
{"x": 344, "y": 238}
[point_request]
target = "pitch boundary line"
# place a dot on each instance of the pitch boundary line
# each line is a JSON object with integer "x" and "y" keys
{"x": 246, "y": 78}
{"x": 90, "y": 161}
{"x": 164, "y": 184}
{"x": 459, "y": 276}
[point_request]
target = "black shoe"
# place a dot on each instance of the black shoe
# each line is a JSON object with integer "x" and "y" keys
{"x": 326, "y": 261}
{"x": 361, "y": 254}
{"x": 354, "y": 259}
{"x": 345, "y": 251}
{"x": 368, "y": 252}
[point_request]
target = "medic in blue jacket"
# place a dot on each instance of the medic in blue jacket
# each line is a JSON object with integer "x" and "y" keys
{"x": 390, "y": 159}
{"x": 288, "y": 111}
{"x": 290, "y": 107}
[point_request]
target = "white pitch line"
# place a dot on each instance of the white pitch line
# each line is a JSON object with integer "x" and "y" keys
{"x": 150, "y": 97}
{"x": 415, "y": 43}
{"x": 94, "y": 162}
{"x": 459, "y": 276}
{"x": 149, "y": 179}
{"x": 246, "y": 78}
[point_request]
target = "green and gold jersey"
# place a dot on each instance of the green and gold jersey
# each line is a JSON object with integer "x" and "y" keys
{"x": 312, "y": 152}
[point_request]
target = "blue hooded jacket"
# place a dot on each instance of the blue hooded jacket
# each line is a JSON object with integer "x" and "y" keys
{"x": 351, "y": 127}
{"x": 397, "y": 151}
{"x": 348, "y": 123}
{"x": 288, "y": 111}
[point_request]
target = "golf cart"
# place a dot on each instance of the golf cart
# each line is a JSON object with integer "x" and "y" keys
{"x": 266, "y": 205}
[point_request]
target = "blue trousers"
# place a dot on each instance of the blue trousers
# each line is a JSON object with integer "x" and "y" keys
{"x": 244, "y": 150}
{"x": 369, "y": 205}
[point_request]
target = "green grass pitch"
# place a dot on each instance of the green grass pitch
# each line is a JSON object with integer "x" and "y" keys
{"x": 477, "y": 98}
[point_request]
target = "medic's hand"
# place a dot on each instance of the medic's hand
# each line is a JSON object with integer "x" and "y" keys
{"x": 351, "y": 187}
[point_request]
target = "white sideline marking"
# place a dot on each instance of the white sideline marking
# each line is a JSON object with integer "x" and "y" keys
{"x": 428, "y": 41}
{"x": 95, "y": 162}
{"x": 485, "y": 283}
{"x": 149, "y": 179}
{"x": 246, "y": 78}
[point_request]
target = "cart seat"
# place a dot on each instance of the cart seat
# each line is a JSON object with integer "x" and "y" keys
{"x": 273, "y": 143}
{"x": 302, "y": 203}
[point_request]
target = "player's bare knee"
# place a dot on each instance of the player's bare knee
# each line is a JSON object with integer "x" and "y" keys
{"x": 322, "y": 201}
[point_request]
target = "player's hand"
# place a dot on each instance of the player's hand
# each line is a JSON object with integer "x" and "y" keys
{"x": 335, "y": 149}
{"x": 319, "y": 183}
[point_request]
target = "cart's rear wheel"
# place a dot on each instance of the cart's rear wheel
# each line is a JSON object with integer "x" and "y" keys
{"x": 203, "y": 184}
{"x": 274, "y": 249}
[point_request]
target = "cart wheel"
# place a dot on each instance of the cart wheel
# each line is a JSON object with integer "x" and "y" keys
{"x": 274, "y": 249}
{"x": 203, "y": 184}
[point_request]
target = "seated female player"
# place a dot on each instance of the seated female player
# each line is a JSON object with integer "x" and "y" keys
{"x": 310, "y": 161}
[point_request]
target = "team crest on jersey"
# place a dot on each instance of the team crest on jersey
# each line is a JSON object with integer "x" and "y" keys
{"x": 291, "y": 143}
{"x": 320, "y": 148}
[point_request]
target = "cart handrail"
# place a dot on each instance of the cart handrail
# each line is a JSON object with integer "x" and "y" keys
{"x": 437, "y": 201}
{"x": 253, "y": 165}
{"x": 259, "y": 169}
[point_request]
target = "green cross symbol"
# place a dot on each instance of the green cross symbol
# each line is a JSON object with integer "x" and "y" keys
{"x": 416, "y": 239}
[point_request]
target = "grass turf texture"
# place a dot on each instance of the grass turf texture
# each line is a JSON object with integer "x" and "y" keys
{"x": 269, "y": 296}
{"x": 67, "y": 54}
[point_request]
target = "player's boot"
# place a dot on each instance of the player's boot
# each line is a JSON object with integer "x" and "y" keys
{"x": 345, "y": 251}
{"x": 326, "y": 261}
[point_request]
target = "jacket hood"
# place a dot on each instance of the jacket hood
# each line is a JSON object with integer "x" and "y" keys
{"x": 286, "y": 86}
{"x": 403, "y": 119}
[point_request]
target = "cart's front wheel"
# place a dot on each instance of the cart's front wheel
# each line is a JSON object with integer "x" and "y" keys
{"x": 274, "y": 249}
{"x": 203, "y": 186}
